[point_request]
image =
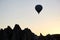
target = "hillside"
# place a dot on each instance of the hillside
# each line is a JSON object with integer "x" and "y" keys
{"x": 18, "y": 34}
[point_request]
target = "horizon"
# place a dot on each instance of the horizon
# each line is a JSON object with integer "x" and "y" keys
{"x": 23, "y": 13}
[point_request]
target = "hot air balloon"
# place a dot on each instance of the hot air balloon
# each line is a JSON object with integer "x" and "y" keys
{"x": 38, "y": 8}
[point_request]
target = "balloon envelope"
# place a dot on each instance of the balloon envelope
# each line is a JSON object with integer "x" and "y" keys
{"x": 38, "y": 8}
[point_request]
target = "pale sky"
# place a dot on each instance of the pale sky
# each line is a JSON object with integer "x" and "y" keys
{"x": 23, "y": 12}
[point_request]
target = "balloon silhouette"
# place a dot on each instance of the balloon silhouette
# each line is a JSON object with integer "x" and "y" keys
{"x": 38, "y": 8}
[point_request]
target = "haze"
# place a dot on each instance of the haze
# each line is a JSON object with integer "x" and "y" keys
{"x": 23, "y": 12}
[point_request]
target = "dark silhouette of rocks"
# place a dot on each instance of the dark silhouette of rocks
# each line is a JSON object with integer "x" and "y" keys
{"x": 18, "y": 34}
{"x": 1, "y": 34}
{"x": 28, "y": 35}
{"x": 7, "y": 33}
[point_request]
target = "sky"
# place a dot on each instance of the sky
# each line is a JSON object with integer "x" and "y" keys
{"x": 23, "y": 12}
